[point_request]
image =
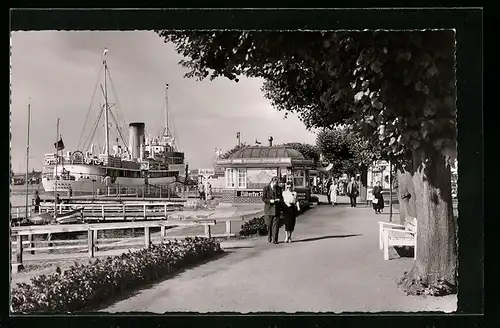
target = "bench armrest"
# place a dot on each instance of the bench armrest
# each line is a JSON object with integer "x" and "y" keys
{"x": 394, "y": 225}
{"x": 399, "y": 230}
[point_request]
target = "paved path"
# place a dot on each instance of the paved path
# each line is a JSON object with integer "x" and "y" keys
{"x": 333, "y": 265}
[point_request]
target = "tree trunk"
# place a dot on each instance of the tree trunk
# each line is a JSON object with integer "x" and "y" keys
{"x": 363, "y": 184}
{"x": 406, "y": 196}
{"x": 436, "y": 258}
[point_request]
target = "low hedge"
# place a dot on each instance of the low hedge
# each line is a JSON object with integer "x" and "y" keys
{"x": 84, "y": 286}
{"x": 255, "y": 226}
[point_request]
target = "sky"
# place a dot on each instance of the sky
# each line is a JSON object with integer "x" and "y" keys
{"x": 56, "y": 72}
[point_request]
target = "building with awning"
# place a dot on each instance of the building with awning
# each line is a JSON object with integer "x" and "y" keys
{"x": 249, "y": 170}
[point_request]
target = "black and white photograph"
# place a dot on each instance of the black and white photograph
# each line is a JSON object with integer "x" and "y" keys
{"x": 233, "y": 170}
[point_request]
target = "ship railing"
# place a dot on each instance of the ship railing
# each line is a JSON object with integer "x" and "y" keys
{"x": 173, "y": 190}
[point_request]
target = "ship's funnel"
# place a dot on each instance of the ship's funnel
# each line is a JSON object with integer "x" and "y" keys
{"x": 136, "y": 138}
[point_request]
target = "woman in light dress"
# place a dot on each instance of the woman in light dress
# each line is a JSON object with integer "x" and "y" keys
{"x": 290, "y": 210}
{"x": 333, "y": 192}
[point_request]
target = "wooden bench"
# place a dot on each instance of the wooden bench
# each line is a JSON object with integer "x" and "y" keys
{"x": 392, "y": 234}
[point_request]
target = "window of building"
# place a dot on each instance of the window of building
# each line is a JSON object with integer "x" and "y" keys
{"x": 229, "y": 178}
{"x": 242, "y": 178}
{"x": 298, "y": 178}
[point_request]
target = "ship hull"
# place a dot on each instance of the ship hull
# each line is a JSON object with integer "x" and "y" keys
{"x": 89, "y": 187}
{"x": 88, "y": 179}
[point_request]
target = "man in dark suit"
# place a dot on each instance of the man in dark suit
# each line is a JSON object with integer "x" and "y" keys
{"x": 353, "y": 191}
{"x": 273, "y": 198}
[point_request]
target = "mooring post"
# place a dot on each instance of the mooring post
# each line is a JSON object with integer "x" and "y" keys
{"x": 19, "y": 255}
{"x": 90, "y": 235}
{"x": 163, "y": 234}
{"x": 207, "y": 231}
{"x": 49, "y": 238}
{"x": 32, "y": 243}
{"x": 228, "y": 228}
{"x": 147, "y": 237}
{"x": 96, "y": 236}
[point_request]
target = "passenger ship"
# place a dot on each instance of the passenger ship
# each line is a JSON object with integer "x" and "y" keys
{"x": 153, "y": 160}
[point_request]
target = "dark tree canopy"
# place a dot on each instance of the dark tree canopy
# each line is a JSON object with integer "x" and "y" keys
{"x": 349, "y": 153}
{"x": 309, "y": 151}
{"x": 396, "y": 88}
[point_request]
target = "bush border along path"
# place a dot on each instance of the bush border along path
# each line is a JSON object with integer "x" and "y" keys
{"x": 84, "y": 286}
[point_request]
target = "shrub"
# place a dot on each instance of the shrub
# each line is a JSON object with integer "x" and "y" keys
{"x": 83, "y": 286}
{"x": 255, "y": 226}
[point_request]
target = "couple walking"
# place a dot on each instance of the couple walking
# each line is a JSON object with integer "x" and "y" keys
{"x": 352, "y": 191}
{"x": 277, "y": 201}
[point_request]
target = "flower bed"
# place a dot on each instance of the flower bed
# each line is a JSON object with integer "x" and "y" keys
{"x": 83, "y": 286}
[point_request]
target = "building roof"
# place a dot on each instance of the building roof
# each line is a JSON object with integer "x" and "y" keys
{"x": 267, "y": 152}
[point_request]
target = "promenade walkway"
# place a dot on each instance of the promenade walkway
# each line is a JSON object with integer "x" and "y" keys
{"x": 333, "y": 265}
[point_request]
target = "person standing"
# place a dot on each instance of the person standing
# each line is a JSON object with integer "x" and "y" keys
{"x": 201, "y": 191}
{"x": 333, "y": 192}
{"x": 352, "y": 191}
{"x": 272, "y": 198}
{"x": 328, "y": 186}
{"x": 36, "y": 201}
{"x": 378, "y": 198}
{"x": 290, "y": 210}
{"x": 209, "y": 194}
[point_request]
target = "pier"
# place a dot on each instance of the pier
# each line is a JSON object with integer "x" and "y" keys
{"x": 178, "y": 225}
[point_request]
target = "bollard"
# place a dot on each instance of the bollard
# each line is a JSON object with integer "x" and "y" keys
{"x": 147, "y": 237}
{"x": 207, "y": 231}
{"x": 90, "y": 236}
{"x": 49, "y": 238}
{"x": 228, "y": 228}
{"x": 95, "y": 240}
{"x": 163, "y": 234}
{"x": 19, "y": 255}
{"x": 32, "y": 243}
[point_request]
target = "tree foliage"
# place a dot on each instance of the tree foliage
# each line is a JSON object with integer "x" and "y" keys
{"x": 349, "y": 153}
{"x": 233, "y": 150}
{"x": 396, "y": 88}
{"x": 309, "y": 151}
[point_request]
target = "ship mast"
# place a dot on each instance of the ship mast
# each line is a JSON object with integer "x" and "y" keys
{"x": 167, "y": 130}
{"x": 106, "y": 122}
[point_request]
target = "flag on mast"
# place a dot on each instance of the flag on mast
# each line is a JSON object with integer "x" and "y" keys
{"x": 59, "y": 145}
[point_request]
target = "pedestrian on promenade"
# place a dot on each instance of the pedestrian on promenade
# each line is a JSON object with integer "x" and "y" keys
{"x": 378, "y": 199}
{"x": 290, "y": 210}
{"x": 209, "y": 195}
{"x": 352, "y": 191}
{"x": 36, "y": 201}
{"x": 201, "y": 191}
{"x": 328, "y": 186}
{"x": 273, "y": 198}
{"x": 332, "y": 193}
